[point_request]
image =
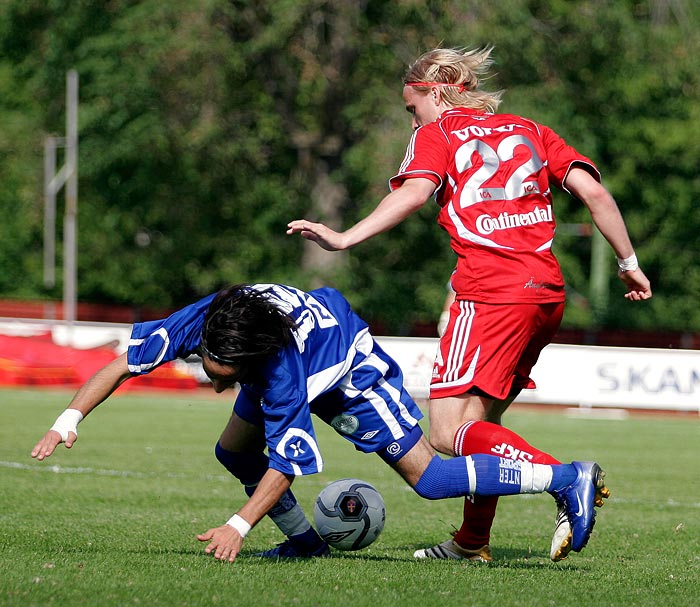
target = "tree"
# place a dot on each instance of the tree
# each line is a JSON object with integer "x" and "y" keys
{"x": 206, "y": 125}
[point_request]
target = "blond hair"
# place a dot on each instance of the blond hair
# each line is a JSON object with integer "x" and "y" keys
{"x": 461, "y": 69}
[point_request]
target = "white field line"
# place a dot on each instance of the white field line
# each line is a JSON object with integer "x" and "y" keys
{"x": 57, "y": 469}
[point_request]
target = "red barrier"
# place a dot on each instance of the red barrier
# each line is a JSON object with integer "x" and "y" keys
{"x": 38, "y": 361}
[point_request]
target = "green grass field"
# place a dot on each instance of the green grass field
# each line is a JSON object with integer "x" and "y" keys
{"x": 112, "y": 522}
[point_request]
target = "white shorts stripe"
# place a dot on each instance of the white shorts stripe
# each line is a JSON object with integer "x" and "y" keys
{"x": 376, "y": 400}
{"x": 384, "y": 412}
{"x": 396, "y": 397}
{"x": 454, "y": 373}
{"x": 460, "y": 340}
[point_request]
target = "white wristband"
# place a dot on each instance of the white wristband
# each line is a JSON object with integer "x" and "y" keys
{"x": 629, "y": 264}
{"x": 67, "y": 422}
{"x": 239, "y": 524}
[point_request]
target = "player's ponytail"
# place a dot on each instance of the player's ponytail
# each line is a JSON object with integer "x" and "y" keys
{"x": 461, "y": 71}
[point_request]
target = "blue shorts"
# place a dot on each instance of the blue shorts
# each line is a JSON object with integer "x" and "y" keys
{"x": 370, "y": 407}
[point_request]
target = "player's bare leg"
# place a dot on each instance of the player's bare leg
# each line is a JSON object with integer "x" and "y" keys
{"x": 446, "y": 416}
{"x": 575, "y": 486}
{"x": 454, "y": 433}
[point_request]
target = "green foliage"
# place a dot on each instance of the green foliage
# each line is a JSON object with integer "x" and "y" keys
{"x": 206, "y": 126}
{"x": 113, "y": 521}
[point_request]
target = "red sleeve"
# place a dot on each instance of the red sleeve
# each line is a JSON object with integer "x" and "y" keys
{"x": 427, "y": 155}
{"x": 561, "y": 158}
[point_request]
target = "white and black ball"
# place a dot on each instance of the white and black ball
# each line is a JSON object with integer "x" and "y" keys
{"x": 349, "y": 514}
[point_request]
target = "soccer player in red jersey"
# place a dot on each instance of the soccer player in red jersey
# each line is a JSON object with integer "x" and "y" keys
{"x": 491, "y": 176}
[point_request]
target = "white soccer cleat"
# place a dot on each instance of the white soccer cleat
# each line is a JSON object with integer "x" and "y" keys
{"x": 561, "y": 541}
{"x": 451, "y": 550}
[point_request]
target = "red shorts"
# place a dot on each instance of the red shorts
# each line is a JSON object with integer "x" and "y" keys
{"x": 492, "y": 347}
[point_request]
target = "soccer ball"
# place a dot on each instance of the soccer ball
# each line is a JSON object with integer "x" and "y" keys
{"x": 349, "y": 514}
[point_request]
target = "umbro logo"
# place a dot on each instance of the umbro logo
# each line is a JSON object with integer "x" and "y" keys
{"x": 368, "y": 435}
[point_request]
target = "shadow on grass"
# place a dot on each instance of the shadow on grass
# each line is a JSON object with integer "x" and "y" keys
{"x": 504, "y": 558}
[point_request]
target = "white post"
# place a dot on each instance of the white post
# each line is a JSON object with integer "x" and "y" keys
{"x": 600, "y": 272}
{"x": 70, "y": 225}
{"x": 49, "y": 213}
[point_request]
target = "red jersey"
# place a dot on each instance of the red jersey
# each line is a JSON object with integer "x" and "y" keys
{"x": 493, "y": 174}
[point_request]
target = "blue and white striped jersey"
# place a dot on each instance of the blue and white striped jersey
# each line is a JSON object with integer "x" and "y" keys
{"x": 332, "y": 367}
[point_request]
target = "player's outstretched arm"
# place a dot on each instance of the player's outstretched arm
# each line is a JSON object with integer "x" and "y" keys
{"x": 392, "y": 210}
{"x": 321, "y": 234}
{"x": 91, "y": 394}
{"x": 225, "y": 542}
{"x": 608, "y": 219}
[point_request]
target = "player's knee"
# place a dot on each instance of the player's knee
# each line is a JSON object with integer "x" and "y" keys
{"x": 441, "y": 440}
{"x": 434, "y": 442}
{"x": 226, "y": 458}
{"x": 248, "y": 467}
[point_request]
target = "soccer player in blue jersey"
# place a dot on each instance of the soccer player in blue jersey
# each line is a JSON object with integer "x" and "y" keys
{"x": 293, "y": 354}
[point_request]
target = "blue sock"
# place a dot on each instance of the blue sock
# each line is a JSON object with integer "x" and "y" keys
{"x": 483, "y": 474}
{"x": 496, "y": 475}
{"x": 247, "y": 467}
{"x": 562, "y": 476}
{"x": 444, "y": 478}
{"x": 499, "y": 476}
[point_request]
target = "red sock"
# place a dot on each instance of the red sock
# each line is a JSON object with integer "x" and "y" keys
{"x": 478, "y": 514}
{"x": 485, "y": 437}
{"x": 480, "y": 510}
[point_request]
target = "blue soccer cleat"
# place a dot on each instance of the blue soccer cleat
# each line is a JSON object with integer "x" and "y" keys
{"x": 288, "y": 550}
{"x": 578, "y": 502}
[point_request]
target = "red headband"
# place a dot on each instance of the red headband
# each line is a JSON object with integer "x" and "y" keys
{"x": 461, "y": 87}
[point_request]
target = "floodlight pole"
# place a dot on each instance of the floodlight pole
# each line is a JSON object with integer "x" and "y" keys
{"x": 67, "y": 176}
{"x": 600, "y": 264}
{"x": 50, "y": 181}
{"x": 70, "y": 222}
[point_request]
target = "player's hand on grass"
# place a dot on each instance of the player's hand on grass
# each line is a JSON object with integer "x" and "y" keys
{"x": 638, "y": 285}
{"x": 224, "y": 542}
{"x": 317, "y": 232}
{"x": 47, "y": 445}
